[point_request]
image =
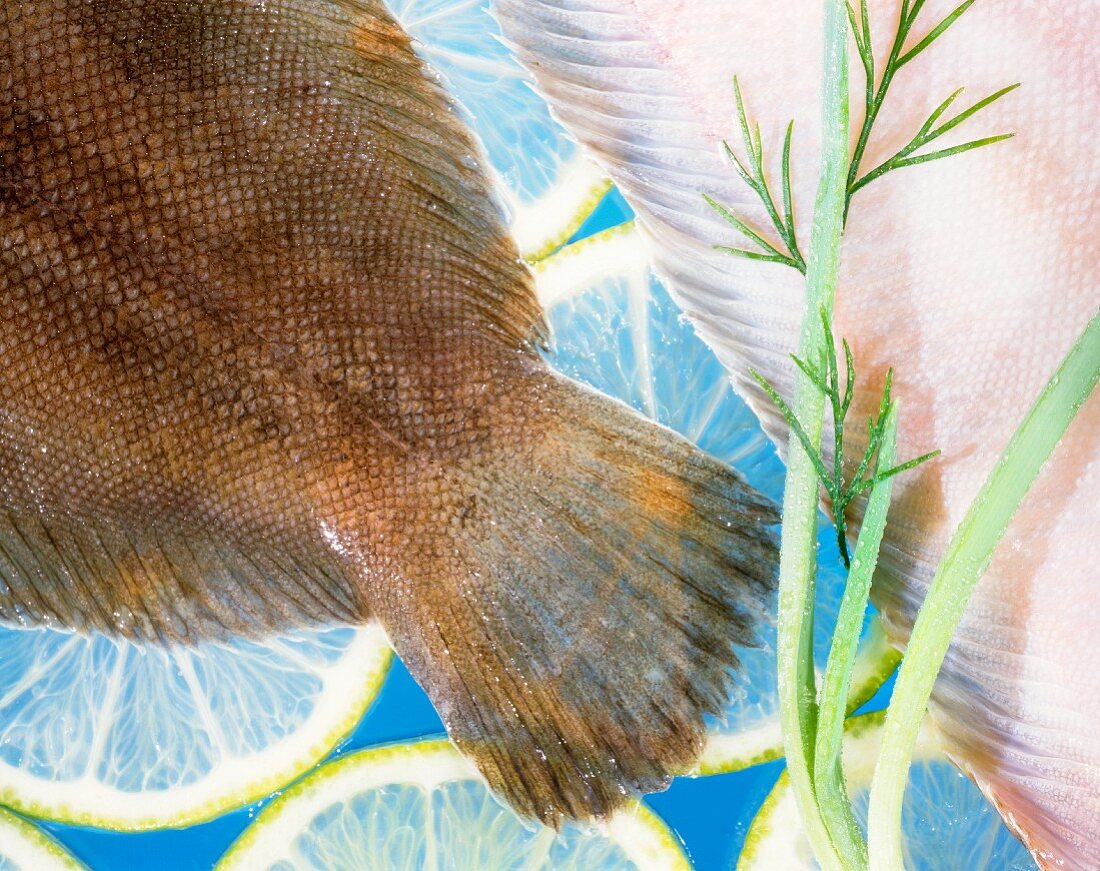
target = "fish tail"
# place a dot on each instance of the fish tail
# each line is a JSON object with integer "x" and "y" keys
{"x": 583, "y": 619}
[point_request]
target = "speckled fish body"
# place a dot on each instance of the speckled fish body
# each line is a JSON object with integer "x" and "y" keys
{"x": 270, "y": 359}
{"x": 972, "y": 276}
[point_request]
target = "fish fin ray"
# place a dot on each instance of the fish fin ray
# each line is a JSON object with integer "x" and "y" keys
{"x": 161, "y": 586}
{"x": 611, "y": 84}
{"x": 459, "y": 191}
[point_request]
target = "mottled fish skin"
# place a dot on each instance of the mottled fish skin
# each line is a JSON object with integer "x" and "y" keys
{"x": 271, "y": 360}
{"x": 972, "y": 276}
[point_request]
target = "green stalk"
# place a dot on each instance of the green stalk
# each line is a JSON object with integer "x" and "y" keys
{"x": 798, "y": 554}
{"x": 967, "y": 557}
{"x": 832, "y": 797}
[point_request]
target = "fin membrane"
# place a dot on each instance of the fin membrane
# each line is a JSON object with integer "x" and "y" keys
{"x": 581, "y": 624}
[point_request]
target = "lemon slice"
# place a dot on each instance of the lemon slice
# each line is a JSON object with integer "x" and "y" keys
{"x": 100, "y": 732}
{"x": 617, "y": 329}
{"x": 547, "y": 184}
{"x": 25, "y": 848}
{"x": 947, "y": 823}
{"x": 424, "y": 806}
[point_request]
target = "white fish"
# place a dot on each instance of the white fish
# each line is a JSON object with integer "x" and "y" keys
{"x": 972, "y": 276}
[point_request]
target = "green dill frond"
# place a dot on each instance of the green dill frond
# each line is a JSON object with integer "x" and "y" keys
{"x": 875, "y": 94}
{"x": 826, "y": 378}
{"x": 786, "y": 250}
{"x": 751, "y": 170}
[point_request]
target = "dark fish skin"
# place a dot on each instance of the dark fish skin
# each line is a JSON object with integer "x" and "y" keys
{"x": 270, "y": 359}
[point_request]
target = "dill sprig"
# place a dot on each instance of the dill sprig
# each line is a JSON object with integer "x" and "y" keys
{"x": 796, "y": 678}
{"x": 825, "y": 376}
{"x": 812, "y": 718}
{"x": 786, "y": 251}
{"x": 875, "y": 95}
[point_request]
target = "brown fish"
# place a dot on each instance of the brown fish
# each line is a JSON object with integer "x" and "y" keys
{"x": 271, "y": 359}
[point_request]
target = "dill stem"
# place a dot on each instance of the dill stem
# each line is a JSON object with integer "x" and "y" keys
{"x": 798, "y": 555}
{"x": 832, "y": 797}
{"x": 964, "y": 563}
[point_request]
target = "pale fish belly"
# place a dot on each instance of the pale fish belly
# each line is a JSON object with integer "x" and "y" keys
{"x": 972, "y": 276}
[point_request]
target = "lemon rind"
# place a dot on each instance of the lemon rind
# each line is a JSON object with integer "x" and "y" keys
{"x": 29, "y": 847}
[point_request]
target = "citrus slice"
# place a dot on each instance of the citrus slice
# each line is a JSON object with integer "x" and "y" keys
{"x": 95, "y": 731}
{"x": 617, "y": 329}
{"x": 424, "y": 806}
{"x": 548, "y": 185}
{"x": 25, "y": 848}
{"x": 946, "y": 821}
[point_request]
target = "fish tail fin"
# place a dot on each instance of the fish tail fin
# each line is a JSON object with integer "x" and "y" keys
{"x": 582, "y": 620}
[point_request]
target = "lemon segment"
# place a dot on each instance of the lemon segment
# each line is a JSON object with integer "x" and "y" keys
{"x": 106, "y": 733}
{"x": 424, "y": 806}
